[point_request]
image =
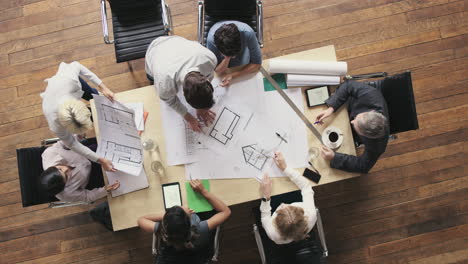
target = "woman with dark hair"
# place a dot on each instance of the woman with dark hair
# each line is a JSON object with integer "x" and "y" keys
{"x": 182, "y": 229}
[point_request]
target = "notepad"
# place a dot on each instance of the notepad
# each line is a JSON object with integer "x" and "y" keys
{"x": 196, "y": 201}
{"x": 279, "y": 78}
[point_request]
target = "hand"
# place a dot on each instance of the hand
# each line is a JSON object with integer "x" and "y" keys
{"x": 266, "y": 186}
{"x": 207, "y": 116}
{"x": 107, "y": 92}
{"x": 193, "y": 122}
{"x": 106, "y": 164}
{"x": 327, "y": 153}
{"x": 112, "y": 187}
{"x": 198, "y": 186}
{"x": 279, "y": 161}
{"x": 324, "y": 114}
{"x": 226, "y": 80}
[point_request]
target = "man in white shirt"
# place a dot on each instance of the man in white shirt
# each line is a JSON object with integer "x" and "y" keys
{"x": 66, "y": 86}
{"x": 67, "y": 174}
{"x": 290, "y": 222}
{"x": 175, "y": 62}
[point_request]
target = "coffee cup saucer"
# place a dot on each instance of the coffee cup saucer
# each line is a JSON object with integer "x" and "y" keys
{"x": 326, "y": 140}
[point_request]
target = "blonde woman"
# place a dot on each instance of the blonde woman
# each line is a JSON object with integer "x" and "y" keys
{"x": 66, "y": 114}
{"x": 290, "y": 222}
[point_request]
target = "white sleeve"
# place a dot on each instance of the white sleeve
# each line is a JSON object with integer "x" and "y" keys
{"x": 71, "y": 142}
{"x": 168, "y": 94}
{"x": 304, "y": 185}
{"x": 89, "y": 75}
{"x": 83, "y": 195}
{"x": 267, "y": 222}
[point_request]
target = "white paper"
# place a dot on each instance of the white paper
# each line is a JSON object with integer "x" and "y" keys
{"x": 311, "y": 80}
{"x": 250, "y": 155}
{"x": 138, "y": 109}
{"x": 308, "y": 67}
{"x": 119, "y": 141}
{"x": 182, "y": 143}
{"x": 128, "y": 183}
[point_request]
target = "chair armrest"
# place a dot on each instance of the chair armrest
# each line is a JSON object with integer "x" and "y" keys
{"x": 60, "y": 204}
{"x": 49, "y": 141}
{"x": 200, "y": 21}
{"x": 260, "y": 22}
{"x": 366, "y": 76}
{"x": 105, "y": 29}
{"x": 166, "y": 16}
{"x": 321, "y": 233}
{"x": 258, "y": 240}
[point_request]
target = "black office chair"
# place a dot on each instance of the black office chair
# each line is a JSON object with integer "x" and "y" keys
{"x": 398, "y": 93}
{"x": 135, "y": 24}
{"x": 167, "y": 255}
{"x": 29, "y": 169}
{"x": 212, "y": 11}
{"x": 312, "y": 250}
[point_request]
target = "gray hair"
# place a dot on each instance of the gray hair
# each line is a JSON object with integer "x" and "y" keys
{"x": 74, "y": 116}
{"x": 373, "y": 124}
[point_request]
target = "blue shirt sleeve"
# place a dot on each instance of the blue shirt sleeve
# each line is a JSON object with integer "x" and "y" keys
{"x": 254, "y": 48}
{"x": 211, "y": 46}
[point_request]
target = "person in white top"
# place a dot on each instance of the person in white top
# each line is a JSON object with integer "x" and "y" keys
{"x": 290, "y": 222}
{"x": 174, "y": 62}
{"x": 64, "y": 111}
{"x": 67, "y": 175}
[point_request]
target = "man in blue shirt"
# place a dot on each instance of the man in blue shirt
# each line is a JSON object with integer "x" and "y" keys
{"x": 235, "y": 44}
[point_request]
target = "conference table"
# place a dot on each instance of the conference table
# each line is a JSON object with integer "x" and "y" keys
{"x": 126, "y": 209}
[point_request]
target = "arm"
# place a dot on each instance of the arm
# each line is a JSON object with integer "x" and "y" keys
{"x": 223, "y": 211}
{"x": 363, "y": 163}
{"x": 72, "y": 143}
{"x": 87, "y": 73}
{"x": 223, "y": 66}
{"x": 83, "y": 195}
{"x": 147, "y": 222}
{"x": 168, "y": 94}
{"x": 249, "y": 68}
{"x": 267, "y": 222}
{"x": 303, "y": 184}
{"x": 341, "y": 95}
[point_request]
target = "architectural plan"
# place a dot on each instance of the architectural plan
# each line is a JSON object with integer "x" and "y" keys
{"x": 250, "y": 126}
{"x": 119, "y": 141}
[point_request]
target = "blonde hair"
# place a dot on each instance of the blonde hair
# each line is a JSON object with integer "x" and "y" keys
{"x": 291, "y": 223}
{"x": 74, "y": 116}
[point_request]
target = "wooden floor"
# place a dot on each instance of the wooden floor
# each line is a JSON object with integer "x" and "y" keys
{"x": 411, "y": 208}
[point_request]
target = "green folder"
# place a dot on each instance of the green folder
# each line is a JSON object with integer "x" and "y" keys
{"x": 196, "y": 201}
{"x": 279, "y": 78}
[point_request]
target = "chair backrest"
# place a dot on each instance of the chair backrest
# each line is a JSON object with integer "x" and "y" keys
{"x": 29, "y": 170}
{"x": 239, "y": 10}
{"x": 398, "y": 93}
{"x": 135, "y": 25}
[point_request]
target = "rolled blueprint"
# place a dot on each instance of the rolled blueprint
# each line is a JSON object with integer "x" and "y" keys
{"x": 332, "y": 68}
{"x": 311, "y": 80}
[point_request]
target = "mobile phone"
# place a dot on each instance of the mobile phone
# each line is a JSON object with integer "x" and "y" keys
{"x": 311, "y": 175}
{"x": 171, "y": 195}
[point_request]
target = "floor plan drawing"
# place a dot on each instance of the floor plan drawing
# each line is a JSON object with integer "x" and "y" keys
{"x": 121, "y": 154}
{"x": 117, "y": 116}
{"x": 255, "y": 156}
{"x": 223, "y": 129}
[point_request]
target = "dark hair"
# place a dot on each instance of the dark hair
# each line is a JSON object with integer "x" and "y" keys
{"x": 198, "y": 91}
{"x": 176, "y": 229}
{"x": 52, "y": 181}
{"x": 227, "y": 39}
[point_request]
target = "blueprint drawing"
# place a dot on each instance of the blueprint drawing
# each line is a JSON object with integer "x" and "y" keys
{"x": 223, "y": 128}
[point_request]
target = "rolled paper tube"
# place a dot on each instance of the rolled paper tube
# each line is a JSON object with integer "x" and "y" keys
{"x": 308, "y": 80}
{"x": 332, "y": 68}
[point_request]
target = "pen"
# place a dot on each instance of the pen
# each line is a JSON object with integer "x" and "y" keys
{"x": 317, "y": 122}
{"x": 282, "y": 138}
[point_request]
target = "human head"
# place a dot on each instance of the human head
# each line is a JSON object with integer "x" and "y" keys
{"x": 75, "y": 116}
{"x": 227, "y": 40}
{"x": 291, "y": 222}
{"x": 198, "y": 91}
{"x": 370, "y": 124}
{"x": 176, "y": 228}
{"x": 52, "y": 180}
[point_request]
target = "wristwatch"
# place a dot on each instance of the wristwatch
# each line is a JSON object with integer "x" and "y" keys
{"x": 265, "y": 200}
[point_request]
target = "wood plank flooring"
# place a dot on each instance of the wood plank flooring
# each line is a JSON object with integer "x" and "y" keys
{"x": 411, "y": 208}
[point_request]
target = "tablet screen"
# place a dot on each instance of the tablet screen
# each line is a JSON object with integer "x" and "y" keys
{"x": 171, "y": 195}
